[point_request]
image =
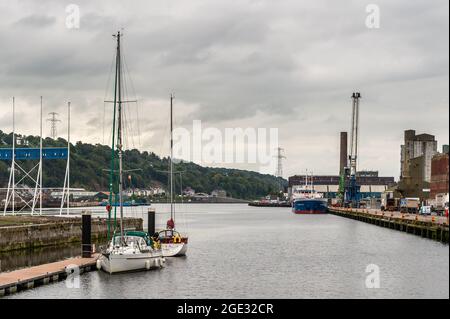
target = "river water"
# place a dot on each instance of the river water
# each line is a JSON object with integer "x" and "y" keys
{"x": 237, "y": 251}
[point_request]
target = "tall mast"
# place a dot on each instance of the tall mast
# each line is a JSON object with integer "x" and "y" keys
{"x": 181, "y": 187}
{"x": 13, "y": 166}
{"x": 68, "y": 158}
{"x": 171, "y": 157}
{"x": 40, "y": 164}
{"x": 11, "y": 173}
{"x": 119, "y": 133}
{"x": 306, "y": 180}
{"x": 113, "y": 143}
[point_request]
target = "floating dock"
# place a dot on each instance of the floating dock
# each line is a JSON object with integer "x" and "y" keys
{"x": 432, "y": 227}
{"x": 22, "y": 279}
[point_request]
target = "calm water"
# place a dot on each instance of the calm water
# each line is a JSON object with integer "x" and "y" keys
{"x": 238, "y": 251}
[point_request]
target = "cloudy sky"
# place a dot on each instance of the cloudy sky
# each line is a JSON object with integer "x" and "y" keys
{"x": 286, "y": 64}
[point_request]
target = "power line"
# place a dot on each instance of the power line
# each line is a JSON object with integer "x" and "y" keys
{"x": 280, "y": 157}
{"x": 53, "y": 120}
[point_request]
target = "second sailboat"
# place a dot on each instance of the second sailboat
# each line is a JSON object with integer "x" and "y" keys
{"x": 172, "y": 242}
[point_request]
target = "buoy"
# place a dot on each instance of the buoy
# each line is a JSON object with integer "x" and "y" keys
{"x": 163, "y": 262}
{"x": 98, "y": 264}
{"x": 157, "y": 262}
{"x": 148, "y": 264}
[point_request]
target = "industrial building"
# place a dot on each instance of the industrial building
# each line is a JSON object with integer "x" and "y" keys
{"x": 439, "y": 188}
{"x": 372, "y": 185}
{"x": 416, "y": 157}
{"x": 415, "y": 146}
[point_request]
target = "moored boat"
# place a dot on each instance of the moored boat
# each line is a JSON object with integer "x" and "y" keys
{"x": 173, "y": 244}
{"x": 306, "y": 200}
{"x": 134, "y": 251}
{"x": 310, "y": 206}
{"x": 127, "y": 250}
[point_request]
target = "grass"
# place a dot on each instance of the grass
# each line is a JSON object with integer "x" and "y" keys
{"x": 10, "y": 221}
{"x": 19, "y": 220}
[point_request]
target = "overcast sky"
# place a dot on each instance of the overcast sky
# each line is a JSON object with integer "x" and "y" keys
{"x": 285, "y": 64}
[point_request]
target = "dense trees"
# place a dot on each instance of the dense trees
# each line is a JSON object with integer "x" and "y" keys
{"x": 90, "y": 165}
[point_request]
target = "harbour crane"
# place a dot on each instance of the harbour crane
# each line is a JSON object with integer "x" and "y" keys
{"x": 352, "y": 189}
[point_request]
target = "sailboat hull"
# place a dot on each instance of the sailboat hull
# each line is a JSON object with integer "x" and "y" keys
{"x": 116, "y": 263}
{"x": 174, "y": 250}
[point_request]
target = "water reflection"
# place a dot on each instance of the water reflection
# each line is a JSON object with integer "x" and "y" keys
{"x": 17, "y": 259}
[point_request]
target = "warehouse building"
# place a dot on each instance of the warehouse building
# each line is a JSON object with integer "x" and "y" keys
{"x": 417, "y": 154}
{"x": 439, "y": 187}
{"x": 372, "y": 185}
{"x": 414, "y": 147}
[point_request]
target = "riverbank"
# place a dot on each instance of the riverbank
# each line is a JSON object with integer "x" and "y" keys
{"x": 432, "y": 227}
{"x": 30, "y": 232}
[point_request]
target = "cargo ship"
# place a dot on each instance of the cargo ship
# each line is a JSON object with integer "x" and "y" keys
{"x": 305, "y": 199}
{"x": 310, "y": 206}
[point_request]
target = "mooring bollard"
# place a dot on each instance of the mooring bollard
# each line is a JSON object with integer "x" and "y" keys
{"x": 151, "y": 221}
{"x": 86, "y": 244}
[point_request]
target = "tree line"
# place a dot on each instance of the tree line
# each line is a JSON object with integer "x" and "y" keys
{"x": 90, "y": 170}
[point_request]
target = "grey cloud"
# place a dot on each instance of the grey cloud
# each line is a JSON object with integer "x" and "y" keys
{"x": 36, "y": 21}
{"x": 287, "y": 64}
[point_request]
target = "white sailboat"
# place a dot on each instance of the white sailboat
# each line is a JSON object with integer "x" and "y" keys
{"x": 131, "y": 252}
{"x": 172, "y": 242}
{"x": 127, "y": 250}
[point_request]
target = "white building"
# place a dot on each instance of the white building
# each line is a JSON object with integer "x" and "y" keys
{"x": 189, "y": 191}
{"x": 144, "y": 192}
{"x": 74, "y": 193}
{"x": 219, "y": 193}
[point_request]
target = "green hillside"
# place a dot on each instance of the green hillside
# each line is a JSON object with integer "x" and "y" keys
{"x": 89, "y": 162}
